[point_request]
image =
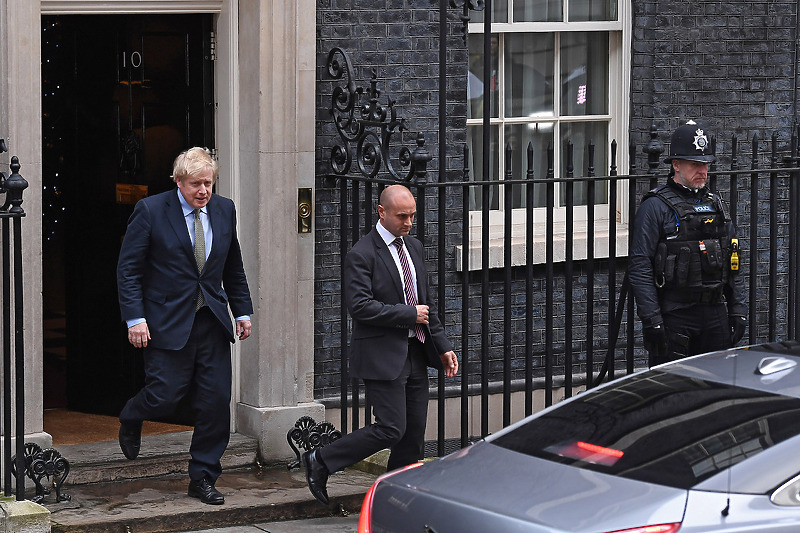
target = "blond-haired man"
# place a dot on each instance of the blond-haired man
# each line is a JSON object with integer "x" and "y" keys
{"x": 179, "y": 269}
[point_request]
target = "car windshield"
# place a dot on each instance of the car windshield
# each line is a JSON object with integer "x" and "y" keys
{"x": 659, "y": 427}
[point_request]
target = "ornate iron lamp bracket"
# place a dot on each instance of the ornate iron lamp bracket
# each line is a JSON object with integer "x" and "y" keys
{"x": 307, "y": 434}
{"x": 654, "y": 150}
{"x": 47, "y": 463}
{"x": 366, "y": 127}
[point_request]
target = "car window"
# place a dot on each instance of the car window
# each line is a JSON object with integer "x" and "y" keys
{"x": 659, "y": 427}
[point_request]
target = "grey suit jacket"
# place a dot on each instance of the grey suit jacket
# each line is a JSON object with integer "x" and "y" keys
{"x": 373, "y": 290}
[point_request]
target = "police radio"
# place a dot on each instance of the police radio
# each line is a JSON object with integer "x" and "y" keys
{"x": 734, "y": 255}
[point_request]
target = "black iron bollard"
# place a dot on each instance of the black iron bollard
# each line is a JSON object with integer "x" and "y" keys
{"x": 12, "y": 208}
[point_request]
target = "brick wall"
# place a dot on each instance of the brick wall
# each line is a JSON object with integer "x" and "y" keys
{"x": 400, "y": 41}
{"x": 730, "y": 63}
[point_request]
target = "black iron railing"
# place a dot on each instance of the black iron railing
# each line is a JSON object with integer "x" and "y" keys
{"x": 575, "y": 325}
{"x": 11, "y": 214}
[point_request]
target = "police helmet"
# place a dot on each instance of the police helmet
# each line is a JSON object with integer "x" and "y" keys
{"x": 691, "y": 142}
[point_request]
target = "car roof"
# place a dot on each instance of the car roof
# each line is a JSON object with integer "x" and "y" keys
{"x": 771, "y": 367}
{"x": 718, "y": 367}
{"x": 683, "y": 423}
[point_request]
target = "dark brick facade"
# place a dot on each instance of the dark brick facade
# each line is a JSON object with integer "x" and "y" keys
{"x": 731, "y": 64}
{"x": 400, "y": 41}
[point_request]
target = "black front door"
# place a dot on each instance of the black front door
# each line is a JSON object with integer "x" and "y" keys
{"x": 122, "y": 96}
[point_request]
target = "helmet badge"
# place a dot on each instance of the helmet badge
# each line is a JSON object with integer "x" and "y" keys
{"x": 700, "y": 140}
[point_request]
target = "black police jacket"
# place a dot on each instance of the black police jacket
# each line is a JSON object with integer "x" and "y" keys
{"x": 658, "y": 240}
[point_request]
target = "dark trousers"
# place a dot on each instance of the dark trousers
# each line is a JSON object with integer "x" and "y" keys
{"x": 694, "y": 330}
{"x": 204, "y": 367}
{"x": 400, "y": 407}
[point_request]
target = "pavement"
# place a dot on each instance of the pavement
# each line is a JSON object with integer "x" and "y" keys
{"x": 347, "y": 524}
{"x": 109, "y": 494}
{"x": 161, "y": 504}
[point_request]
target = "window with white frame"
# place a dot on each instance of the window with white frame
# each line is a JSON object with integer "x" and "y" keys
{"x": 559, "y": 71}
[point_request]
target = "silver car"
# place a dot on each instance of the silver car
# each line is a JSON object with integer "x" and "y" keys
{"x": 709, "y": 443}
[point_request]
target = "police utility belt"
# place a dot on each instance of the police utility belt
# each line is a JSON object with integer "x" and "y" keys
{"x": 696, "y": 260}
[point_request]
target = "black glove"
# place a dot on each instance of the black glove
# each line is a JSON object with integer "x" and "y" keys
{"x": 655, "y": 340}
{"x": 738, "y": 323}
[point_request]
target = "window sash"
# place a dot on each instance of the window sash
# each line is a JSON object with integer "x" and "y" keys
{"x": 617, "y": 120}
{"x": 505, "y": 130}
{"x": 552, "y": 10}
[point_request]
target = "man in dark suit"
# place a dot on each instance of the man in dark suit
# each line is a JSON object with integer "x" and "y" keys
{"x": 395, "y": 339}
{"x": 179, "y": 268}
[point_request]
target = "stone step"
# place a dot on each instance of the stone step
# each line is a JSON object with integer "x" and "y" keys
{"x": 109, "y": 493}
{"x": 160, "y": 504}
{"x": 160, "y": 455}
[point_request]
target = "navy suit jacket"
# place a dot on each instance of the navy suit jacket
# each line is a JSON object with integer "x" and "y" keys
{"x": 381, "y": 319}
{"x": 157, "y": 275}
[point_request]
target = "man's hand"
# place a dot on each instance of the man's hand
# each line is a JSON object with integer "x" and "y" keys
{"x": 655, "y": 339}
{"x": 139, "y": 334}
{"x": 450, "y": 363}
{"x": 242, "y": 329}
{"x": 422, "y": 314}
{"x": 737, "y": 323}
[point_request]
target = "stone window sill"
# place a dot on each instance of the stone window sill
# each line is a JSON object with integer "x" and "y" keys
{"x": 580, "y": 239}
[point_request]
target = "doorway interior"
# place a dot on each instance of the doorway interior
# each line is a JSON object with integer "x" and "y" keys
{"x": 122, "y": 96}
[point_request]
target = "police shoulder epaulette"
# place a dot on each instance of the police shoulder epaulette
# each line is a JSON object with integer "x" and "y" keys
{"x": 653, "y": 192}
{"x": 674, "y": 200}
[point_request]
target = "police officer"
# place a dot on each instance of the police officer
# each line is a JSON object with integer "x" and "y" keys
{"x": 684, "y": 258}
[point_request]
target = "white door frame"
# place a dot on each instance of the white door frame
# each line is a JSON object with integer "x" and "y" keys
{"x": 225, "y": 68}
{"x": 226, "y": 88}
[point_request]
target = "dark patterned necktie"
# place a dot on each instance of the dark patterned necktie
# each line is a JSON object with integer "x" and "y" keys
{"x": 199, "y": 253}
{"x": 408, "y": 286}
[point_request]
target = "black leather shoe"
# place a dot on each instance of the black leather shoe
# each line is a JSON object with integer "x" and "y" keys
{"x": 204, "y": 490}
{"x": 130, "y": 440}
{"x": 316, "y": 475}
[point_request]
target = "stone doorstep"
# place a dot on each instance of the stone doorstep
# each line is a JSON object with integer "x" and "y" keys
{"x": 163, "y": 454}
{"x": 160, "y": 504}
{"x": 109, "y": 493}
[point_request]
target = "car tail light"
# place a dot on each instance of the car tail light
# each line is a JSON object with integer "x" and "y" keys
{"x": 659, "y": 528}
{"x": 365, "y": 520}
